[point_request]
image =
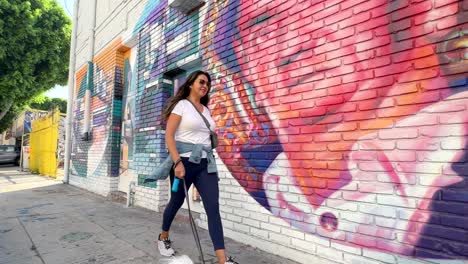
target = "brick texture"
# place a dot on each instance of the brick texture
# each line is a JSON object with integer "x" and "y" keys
{"x": 342, "y": 124}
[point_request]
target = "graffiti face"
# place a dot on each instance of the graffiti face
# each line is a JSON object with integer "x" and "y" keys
{"x": 368, "y": 122}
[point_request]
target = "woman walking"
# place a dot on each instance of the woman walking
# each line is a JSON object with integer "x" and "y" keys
{"x": 190, "y": 148}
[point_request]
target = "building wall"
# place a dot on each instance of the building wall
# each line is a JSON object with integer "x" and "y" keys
{"x": 342, "y": 124}
{"x": 95, "y": 158}
{"x": 21, "y": 125}
{"x": 6, "y": 139}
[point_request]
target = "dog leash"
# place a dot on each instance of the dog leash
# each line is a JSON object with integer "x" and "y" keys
{"x": 192, "y": 224}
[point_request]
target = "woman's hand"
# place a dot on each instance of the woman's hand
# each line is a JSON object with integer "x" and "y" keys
{"x": 179, "y": 170}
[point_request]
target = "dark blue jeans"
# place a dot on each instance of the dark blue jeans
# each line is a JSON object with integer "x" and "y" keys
{"x": 207, "y": 185}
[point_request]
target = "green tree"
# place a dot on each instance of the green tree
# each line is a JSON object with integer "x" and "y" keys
{"x": 45, "y": 103}
{"x": 34, "y": 50}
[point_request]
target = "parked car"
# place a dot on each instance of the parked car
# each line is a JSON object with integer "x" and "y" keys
{"x": 9, "y": 154}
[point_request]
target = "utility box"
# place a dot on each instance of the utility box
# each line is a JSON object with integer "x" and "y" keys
{"x": 186, "y": 6}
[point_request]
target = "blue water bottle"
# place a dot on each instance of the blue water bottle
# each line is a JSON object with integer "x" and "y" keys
{"x": 175, "y": 184}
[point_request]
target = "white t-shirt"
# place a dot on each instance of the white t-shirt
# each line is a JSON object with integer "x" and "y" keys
{"x": 192, "y": 128}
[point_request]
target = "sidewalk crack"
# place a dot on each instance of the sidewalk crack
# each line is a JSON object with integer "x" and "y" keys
{"x": 33, "y": 247}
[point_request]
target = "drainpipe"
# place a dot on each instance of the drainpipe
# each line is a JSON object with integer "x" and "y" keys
{"x": 87, "y": 103}
{"x": 131, "y": 193}
{"x": 71, "y": 89}
{"x": 89, "y": 77}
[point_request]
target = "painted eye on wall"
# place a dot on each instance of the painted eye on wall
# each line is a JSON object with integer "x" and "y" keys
{"x": 260, "y": 19}
{"x": 455, "y": 50}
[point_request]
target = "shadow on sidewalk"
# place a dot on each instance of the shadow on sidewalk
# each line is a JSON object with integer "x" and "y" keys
{"x": 45, "y": 221}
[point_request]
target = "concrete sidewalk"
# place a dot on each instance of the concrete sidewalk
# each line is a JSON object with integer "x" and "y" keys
{"x": 45, "y": 221}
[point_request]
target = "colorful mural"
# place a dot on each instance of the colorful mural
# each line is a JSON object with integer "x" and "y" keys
{"x": 61, "y": 142}
{"x": 162, "y": 42}
{"x": 107, "y": 75}
{"x": 128, "y": 104}
{"x": 30, "y": 116}
{"x": 127, "y": 142}
{"x": 165, "y": 37}
{"x": 82, "y": 165}
{"x": 348, "y": 120}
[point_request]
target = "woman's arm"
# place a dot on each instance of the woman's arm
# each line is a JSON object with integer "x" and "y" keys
{"x": 172, "y": 123}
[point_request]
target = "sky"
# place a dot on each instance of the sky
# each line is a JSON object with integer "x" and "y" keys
{"x": 62, "y": 91}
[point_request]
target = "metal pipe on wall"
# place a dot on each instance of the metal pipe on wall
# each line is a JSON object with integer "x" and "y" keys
{"x": 71, "y": 89}
{"x": 89, "y": 80}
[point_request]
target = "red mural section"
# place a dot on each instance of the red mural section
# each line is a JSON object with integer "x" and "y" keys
{"x": 347, "y": 119}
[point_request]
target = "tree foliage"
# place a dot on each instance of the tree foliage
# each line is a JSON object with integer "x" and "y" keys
{"x": 9, "y": 117}
{"x": 34, "y": 52}
{"x": 47, "y": 104}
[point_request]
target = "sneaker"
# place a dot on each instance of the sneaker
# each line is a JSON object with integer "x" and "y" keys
{"x": 230, "y": 260}
{"x": 165, "y": 247}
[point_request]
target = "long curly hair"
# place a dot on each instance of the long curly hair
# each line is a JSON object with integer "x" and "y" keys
{"x": 184, "y": 92}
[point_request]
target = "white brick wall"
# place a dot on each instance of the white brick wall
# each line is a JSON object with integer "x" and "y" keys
{"x": 114, "y": 19}
{"x": 84, "y": 24}
{"x": 274, "y": 248}
{"x": 248, "y": 222}
{"x": 102, "y": 185}
{"x": 152, "y": 198}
